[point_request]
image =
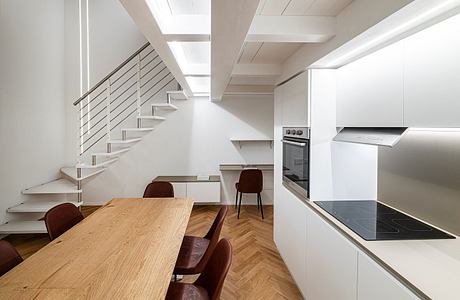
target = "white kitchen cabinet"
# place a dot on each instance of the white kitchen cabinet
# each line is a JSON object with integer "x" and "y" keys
{"x": 331, "y": 262}
{"x": 374, "y": 283}
{"x": 290, "y": 235}
{"x": 370, "y": 90}
{"x": 432, "y": 76}
{"x": 201, "y": 192}
{"x": 295, "y": 101}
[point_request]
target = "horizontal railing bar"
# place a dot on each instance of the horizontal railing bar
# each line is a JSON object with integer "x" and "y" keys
{"x": 94, "y": 116}
{"x": 151, "y": 69}
{"x": 84, "y": 106}
{"x": 124, "y": 73}
{"x": 145, "y": 92}
{"x": 115, "y": 90}
{"x": 94, "y": 143}
{"x": 115, "y": 99}
{"x": 142, "y": 58}
{"x": 103, "y": 125}
{"x": 135, "y": 100}
{"x": 158, "y": 90}
{"x": 142, "y": 67}
{"x": 121, "y": 103}
{"x": 110, "y": 74}
{"x": 93, "y": 108}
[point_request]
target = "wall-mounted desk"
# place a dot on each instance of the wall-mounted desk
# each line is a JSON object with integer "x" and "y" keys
{"x": 239, "y": 167}
{"x": 200, "y": 190}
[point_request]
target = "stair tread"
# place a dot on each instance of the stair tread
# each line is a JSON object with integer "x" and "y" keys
{"x": 99, "y": 165}
{"x": 138, "y": 129}
{"x": 21, "y": 227}
{"x": 177, "y": 95}
{"x": 151, "y": 117}
{"x": 85, "y": 173}
{"x": 109, "y": 154}
{"x": 38, "y": 206}
{"x": 164, "y": 106}
{"x": 59, "y": 186}
{"x": 124, "y": 141}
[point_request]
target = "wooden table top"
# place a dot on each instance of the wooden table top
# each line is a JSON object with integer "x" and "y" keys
{"x": 126, "y": 249}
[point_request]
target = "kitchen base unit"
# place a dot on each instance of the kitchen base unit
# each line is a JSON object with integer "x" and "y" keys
{"x": 202, "y": 190}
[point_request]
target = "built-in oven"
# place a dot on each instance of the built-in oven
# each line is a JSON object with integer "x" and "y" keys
{"x": 296, "y": 159}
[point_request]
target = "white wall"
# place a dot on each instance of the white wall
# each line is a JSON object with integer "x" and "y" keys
{"x": 339, "y": 171}
{"x": 353, "y": 20}
{"x": 32, "y": 113}
{"x": 421, "y": 175}
{"x": 193, "y": 140}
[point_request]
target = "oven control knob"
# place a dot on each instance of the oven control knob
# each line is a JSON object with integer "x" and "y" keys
{"x": 299, "y": 132}
{"x": 288, "y": 131}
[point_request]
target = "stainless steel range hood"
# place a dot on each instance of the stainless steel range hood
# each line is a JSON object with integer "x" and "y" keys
{"x": 378, "y": 136}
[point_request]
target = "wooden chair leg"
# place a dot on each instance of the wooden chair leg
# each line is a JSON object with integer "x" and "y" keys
{"x": 239, "y": 206}
{"x": 261, "y": 207}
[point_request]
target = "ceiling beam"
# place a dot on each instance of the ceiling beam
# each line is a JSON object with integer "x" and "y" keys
{"x": 233, "y": 89}
{"x": 299, "y": 29}
{"x": 142, "y": 15}
{"x": 257, "y": 70}
{"x": 187, "y": 28}
{"x": 230, "y": 22}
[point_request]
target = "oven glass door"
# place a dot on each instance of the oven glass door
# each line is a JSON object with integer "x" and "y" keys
{"x": 296, "y": 170}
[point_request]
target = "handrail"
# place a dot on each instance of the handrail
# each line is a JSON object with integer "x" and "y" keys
{"x": 110, "y": 74}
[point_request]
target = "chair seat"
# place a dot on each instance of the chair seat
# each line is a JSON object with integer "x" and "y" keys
{"x": 192, "y": 250}
{"x": 185, "y": 291}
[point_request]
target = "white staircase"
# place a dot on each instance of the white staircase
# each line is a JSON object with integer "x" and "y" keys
{"x": 138, "y": 77}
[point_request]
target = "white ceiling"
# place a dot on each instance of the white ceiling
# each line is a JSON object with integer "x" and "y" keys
{"x": 302, "y": 7}
{"x": 190, "y": 7}
{"x": 197, "y": 52}
{"x": 266, "y": 53}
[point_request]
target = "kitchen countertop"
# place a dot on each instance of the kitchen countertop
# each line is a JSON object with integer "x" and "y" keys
{"x": 430, "y": 268}
{"x": 212, "y": 178}
{"x": 239, "y": 167}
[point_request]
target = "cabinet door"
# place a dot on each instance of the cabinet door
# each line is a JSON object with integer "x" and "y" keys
{"x": 432, "y": 76}
{"x": 290, "y": 235}
{"x": 180, "y": 189}
{"x": 204, "y": 192}
{"x": 377, "y": 284}
{"x": 331, "y": 262}
{"x": 370, "y": 90}
{"x": 295, "y": 101}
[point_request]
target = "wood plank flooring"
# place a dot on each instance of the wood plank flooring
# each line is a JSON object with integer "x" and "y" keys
{"x": 257, "y": 270}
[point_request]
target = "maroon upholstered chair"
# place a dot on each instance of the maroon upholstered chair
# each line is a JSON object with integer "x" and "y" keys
{"x": 159, "y": 189}
{"x": 9, "y": 257}
{"x": 61, "y": 218}
{"x": 251, "y": 182}
{"x": 195, "y": 251}
{"x": 210, "y": 282}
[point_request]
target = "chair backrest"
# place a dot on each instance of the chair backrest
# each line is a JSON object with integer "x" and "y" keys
{"x": 159, "y": 189}
{"x": 213, "y": 276}
{"x": 61, "y": 218}
{"x": 251, "y": 181}
{"x": 9, "y": 257}
{"x": 213, "y": 237}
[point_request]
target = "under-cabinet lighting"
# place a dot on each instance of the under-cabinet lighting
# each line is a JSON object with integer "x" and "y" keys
{"x": 417, "y": 20}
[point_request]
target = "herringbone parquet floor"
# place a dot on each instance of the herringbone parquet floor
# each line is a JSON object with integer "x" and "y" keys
{"x": 257, "y": 270}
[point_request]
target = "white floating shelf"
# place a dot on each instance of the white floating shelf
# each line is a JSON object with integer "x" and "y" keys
{"x": 59, "y": 186}
{"x": 32, "y": 206}
{"x": 252, "y": 140}
{"x": 164, "y": 106}
{"x": 85, "y": 173}
{"x": 22, "y": 227}
{"x": 177, "y": 95}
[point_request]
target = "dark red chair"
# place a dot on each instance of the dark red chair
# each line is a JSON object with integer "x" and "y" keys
{"x": 251, "y": 182}
{"x": 210, "y": 282}
{"x": 61, "y": 218}
{"x": 195, "y": 251}
{"x": 159, "y": 189}
{"x": 9, "y": 257}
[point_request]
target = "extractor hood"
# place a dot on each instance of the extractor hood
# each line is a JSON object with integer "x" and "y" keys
{"x": 378, "y": 136}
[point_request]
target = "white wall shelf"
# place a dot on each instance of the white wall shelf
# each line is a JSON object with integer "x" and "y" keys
{"x": 242, "y": 140}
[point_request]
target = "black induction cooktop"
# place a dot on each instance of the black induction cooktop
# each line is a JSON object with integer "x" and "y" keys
{"x": 375, "y": 221}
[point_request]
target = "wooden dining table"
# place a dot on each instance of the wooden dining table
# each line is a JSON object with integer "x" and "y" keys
{"x": 126, "y": 249}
